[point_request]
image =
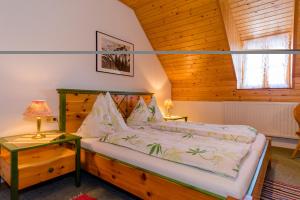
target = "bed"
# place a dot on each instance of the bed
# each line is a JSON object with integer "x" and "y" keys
{"x": 149, "y": 177}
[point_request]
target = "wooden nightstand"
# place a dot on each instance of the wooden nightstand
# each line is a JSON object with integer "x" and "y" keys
{"x": 25, "y": 161}
{"x": 173, "y": 118}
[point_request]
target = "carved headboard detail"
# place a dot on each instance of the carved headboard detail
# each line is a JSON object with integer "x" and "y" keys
{"x": 75, "y": 105}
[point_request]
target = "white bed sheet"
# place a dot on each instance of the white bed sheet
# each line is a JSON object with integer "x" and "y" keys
{"x": 208, "y": 181}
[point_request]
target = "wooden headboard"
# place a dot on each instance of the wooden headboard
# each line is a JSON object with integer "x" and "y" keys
{"x": 75, "y": 105}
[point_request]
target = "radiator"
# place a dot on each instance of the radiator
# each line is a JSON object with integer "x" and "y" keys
{"x": 271, "y": 118}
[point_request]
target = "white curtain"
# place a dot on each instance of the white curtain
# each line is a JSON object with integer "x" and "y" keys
{"x": 267, "y": 70}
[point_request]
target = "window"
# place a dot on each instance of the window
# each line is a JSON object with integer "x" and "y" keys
{"x": 268, "y": 70}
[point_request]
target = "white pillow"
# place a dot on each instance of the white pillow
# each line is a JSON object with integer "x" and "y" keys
{"x": 99, "y": 120}
{"x": 116, "y": 117}
{"x": 140, "y": 115}
{"x": 156, "y": 115}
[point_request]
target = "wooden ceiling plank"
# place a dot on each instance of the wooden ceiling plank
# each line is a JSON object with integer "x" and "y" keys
{"x": 175, "y": 11}
{"x": 279, "y": 26}
{"x": 200, "y": 37}
{"x": 197, "y": 30}
{"x": 198, "y": 22}
{"x": 261, "y": 23}
{"x": 150, "y": 5}
{"x": 160, "y": 6}
{"x": 267, "y": 19}
{"x": 270, "y": 32}
{"x": 166, "y": 59}
{"x": 260, "y": 5}
{"x": 283, "y": 8}
{"x": 174, "y": 7}
{"x": 213, "y": 46}
{"x": 202, "y": 15}
{"x": 238, "y": 3}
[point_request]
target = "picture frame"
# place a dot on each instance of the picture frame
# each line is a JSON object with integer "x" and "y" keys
{"x": 122, "y": 64}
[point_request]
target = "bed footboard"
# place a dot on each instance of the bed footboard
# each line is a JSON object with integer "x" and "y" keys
{"x": 149, "y": 185}
{"x": 140, "y": 182}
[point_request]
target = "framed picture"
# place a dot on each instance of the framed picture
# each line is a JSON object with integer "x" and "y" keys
{"x": 121, "y": 64}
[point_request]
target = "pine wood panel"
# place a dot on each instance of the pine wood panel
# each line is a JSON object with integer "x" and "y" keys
{"x": 148, "y": 185}
{"x": 34, "y": 165}
{"x": 194, "y": 24}
{"x": 233, "y": 35}
{"x": 186, "y": 25}
{"x": 137, "y": 181}
{"x": 78, "y": 107}
{"x": 247, "y": 15}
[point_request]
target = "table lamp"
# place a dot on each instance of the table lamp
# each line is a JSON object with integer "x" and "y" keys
{"x": 38, "y": 109}
{"x": 168, "y": 105}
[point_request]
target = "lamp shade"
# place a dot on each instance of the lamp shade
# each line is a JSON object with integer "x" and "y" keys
{"x": 168, "y": 103}
{"x": 38, "y": 108}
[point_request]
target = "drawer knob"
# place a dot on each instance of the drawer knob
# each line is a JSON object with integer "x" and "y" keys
{"x": 51, "y": 169}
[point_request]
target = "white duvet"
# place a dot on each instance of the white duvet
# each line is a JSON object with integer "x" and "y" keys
{"x": 237, "y": 133}
{"x": 193, "y": 176}
{"x": 207, "y": 153}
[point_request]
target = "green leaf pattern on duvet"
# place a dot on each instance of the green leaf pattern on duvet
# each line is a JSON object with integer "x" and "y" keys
{"x": 138, "y": 107}
{"x": 140, "y": 114}
{"x": 130, "y": 137}
{"x": 155, "y": 148}
{"x": 104, "y": 138}
{"x": 237, "y": 168}
{"x": 188, "y": 136}
{"x": 152, "y": 109}
{"x": 196, "y": 151}
{"x": 217, "y": 156}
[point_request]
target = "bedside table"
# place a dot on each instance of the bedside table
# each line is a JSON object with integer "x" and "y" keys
{"x": 25, "y": 161}
{"x": 176, "y": 118}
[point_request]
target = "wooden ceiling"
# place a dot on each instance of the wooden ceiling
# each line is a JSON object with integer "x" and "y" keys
{"x": 258, "y": 18}
{"x": 188, "y": 25}
{"x": 199, "y": 25}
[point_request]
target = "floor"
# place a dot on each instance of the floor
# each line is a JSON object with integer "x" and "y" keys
{"x": 64, "y": 189}
{"x": 283, "y": 169}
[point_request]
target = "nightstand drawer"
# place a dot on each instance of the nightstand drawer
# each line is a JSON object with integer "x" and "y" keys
{"x": 38, "y": 165}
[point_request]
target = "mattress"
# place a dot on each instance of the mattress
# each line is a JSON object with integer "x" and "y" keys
{"x": 201, "y": 179}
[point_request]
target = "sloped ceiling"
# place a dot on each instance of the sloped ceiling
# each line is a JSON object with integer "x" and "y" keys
{"x": 198, "y": 25}
{"x": 255, "y": 18}
{"x": 189, "y": 25}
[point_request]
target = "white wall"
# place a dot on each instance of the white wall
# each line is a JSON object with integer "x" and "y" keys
{"x": 66, "y": 25}
{"x": 261, "y": 115}
{"x": 200, "y": 111}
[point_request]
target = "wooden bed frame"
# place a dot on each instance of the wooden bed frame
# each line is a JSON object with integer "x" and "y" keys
{"x": 75, "y": 106}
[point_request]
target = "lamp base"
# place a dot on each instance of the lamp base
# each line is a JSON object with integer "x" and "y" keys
{"x": 38, "y": 136}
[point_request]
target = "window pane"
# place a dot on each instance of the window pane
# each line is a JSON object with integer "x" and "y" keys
{"x": 277, "y": 71}
{"x": 253, "y": 71}
{"x": 253, "y": 66}
{"x": 278, "y": 64}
